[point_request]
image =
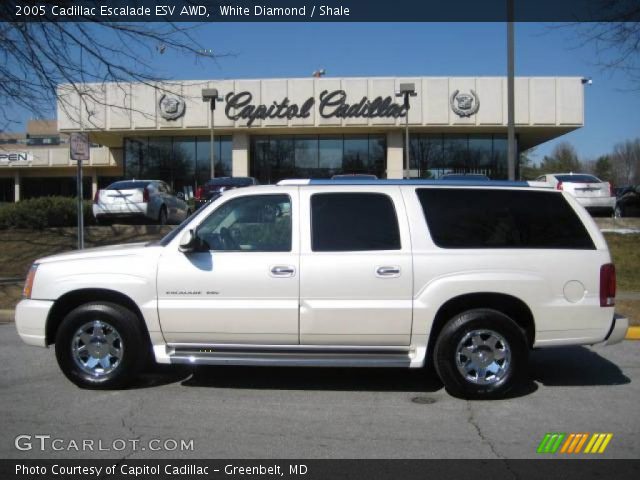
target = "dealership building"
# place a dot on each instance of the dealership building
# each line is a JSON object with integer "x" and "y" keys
{"x": 274, "y": 129}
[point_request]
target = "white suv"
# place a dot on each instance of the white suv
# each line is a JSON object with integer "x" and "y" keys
{"x": 361, "y": 273}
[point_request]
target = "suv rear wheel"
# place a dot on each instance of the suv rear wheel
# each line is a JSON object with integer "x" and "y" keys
{"x": 101, "y": 346}
{"x": 481, "y": 353}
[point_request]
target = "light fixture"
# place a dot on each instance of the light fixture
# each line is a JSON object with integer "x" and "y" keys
{"x": 406, "y": 90}
{"x": 211, "y": 95}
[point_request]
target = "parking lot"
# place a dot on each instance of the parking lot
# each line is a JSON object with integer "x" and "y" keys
{"x": 238, "y": 412}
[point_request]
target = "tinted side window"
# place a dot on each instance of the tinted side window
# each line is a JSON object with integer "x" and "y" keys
{"x": 459, "y": 218}
{"x": 347, "y": 222}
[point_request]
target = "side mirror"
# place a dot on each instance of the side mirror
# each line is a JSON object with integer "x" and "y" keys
{"x": 188, "y": 242}
{"x": 180, "y": 195}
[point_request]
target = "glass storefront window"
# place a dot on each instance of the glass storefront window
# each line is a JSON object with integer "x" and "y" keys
{"x": 330, "y": 154}
{"x": 182, "y": 162}
{"x": 311, "y": 156}
{"x": 433, "y": 155}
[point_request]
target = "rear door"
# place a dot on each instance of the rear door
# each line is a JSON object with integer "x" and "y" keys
{"x": 355, "y": 265}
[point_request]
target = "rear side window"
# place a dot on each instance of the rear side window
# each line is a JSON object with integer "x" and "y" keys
{"x": 348, "y": 222}
{"x": 459, "y": 218}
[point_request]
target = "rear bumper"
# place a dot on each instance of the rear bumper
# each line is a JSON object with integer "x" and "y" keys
{"x": 31, "y": 321}
{"x": 597, "y": 202}
{"x": 618, "y": 330}
{"x": 120, "y": 210}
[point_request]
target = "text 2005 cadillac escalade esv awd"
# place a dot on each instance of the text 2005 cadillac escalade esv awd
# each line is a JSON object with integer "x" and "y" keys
{"x": 467, "y": 276}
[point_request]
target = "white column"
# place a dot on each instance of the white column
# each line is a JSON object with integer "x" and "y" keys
{"x": 395, "y": 156}
{"x": 16, "y": 186}
{"x": 94, "y": 183}
{"x": 240, "y": 155}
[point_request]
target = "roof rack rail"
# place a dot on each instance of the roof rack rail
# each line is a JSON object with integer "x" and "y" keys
{"x": 450, "y": 183}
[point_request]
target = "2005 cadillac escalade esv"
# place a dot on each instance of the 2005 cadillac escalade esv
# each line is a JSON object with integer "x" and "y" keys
{"x": 465, "y": 276}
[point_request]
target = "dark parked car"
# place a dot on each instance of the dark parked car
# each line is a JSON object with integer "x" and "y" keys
{"x": 628, "y": 202}
{"x": 210, "y": 190}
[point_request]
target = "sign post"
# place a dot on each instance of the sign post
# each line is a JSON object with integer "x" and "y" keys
{"x": 79, "y": 143}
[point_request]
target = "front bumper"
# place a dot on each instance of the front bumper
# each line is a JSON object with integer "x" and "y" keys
{"x": 618, "y": 330}
{"x": 31, "y": 321}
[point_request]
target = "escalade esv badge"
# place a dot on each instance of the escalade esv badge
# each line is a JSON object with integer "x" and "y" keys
{"x": 465, "y": 104}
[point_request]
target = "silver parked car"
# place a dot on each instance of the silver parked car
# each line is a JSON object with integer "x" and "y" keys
{"x": 148, "y": 199}
{"x": 591, "y": 192}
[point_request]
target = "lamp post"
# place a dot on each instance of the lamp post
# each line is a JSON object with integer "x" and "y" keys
{"x": 511, "y": 126}
{"x": 406, "y": 90}
{"x": 211, "y": 95}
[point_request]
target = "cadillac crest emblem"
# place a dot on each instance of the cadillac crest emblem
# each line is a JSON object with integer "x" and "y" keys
{"x": 464, "y": 104}
{"x": 171, "y": 106}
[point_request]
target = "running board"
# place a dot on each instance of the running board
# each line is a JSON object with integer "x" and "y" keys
{"x": 289, "y": 355}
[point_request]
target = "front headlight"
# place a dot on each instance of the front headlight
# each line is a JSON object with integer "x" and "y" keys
{"x": 28, "y": 284}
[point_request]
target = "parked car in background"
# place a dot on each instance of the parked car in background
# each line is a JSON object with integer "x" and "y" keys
{"x": 591, "y": 192}
{"x": 143, "y": 199}
{"x": 628, "y": 202}
{"x": 465, "y": 176}
{"x": 212, "y": 188}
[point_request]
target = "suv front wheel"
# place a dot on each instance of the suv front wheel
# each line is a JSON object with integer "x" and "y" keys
{"x": 101, "y": 346}
{"x": 481, "y": 353}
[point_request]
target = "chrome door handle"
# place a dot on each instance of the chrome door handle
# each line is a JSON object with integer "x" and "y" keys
{"x": 388, "y": 271}
{"x": 283, "y": 271}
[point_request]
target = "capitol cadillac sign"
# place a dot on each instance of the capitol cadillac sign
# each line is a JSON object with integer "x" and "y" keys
{"x": 331, "y": 104}
{"x": 9, "y": 158}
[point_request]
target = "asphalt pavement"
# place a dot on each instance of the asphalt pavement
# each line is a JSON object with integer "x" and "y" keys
{"x": 234, "y": 412}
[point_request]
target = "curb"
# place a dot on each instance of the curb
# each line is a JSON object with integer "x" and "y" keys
{"x": 633, "y": 333}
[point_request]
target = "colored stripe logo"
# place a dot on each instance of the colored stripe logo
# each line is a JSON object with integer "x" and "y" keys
{"x": 573, "y": 443}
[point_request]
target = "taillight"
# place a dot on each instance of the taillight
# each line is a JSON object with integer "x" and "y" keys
{"x": 96, "y": 197}
{"x": 607, "y": 285}
{"x": 559, "y": 186}
{"x": 612, "y": 192}
{"x": 28, "y": 284}
{"x": 145, "y": 195}
{"x": 199, "y": 193}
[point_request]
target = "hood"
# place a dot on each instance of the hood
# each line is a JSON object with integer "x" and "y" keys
{"x": 100, "y": 252}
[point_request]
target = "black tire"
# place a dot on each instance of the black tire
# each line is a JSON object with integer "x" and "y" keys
{"x": 105, "y": 222}
{"x": 484, "y": 324}
{"x": 132, "y": 341}
{"x": 618, "y": 211}
{"x": 162, "y": 216}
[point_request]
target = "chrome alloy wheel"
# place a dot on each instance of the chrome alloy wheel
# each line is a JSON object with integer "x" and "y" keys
{"x": 97, "y": 348}
{"x": 483, "y": 357}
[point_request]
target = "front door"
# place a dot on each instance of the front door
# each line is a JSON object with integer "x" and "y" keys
{"x": 356, "y": 269}
{"x": 242, "y": 286}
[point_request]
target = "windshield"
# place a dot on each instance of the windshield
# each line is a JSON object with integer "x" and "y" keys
{"x": 164, "y": 241}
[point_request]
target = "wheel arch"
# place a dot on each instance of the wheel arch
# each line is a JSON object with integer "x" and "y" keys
{"x": 73, "y": 299}
{"x": 513, "y": 307}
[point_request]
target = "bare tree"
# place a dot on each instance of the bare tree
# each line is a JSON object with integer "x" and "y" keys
{"x": 38, "y": 56}
{"x": 625, "y": 161}
{"x": 563, "y": 158}
{"x": 615, "y": 36}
